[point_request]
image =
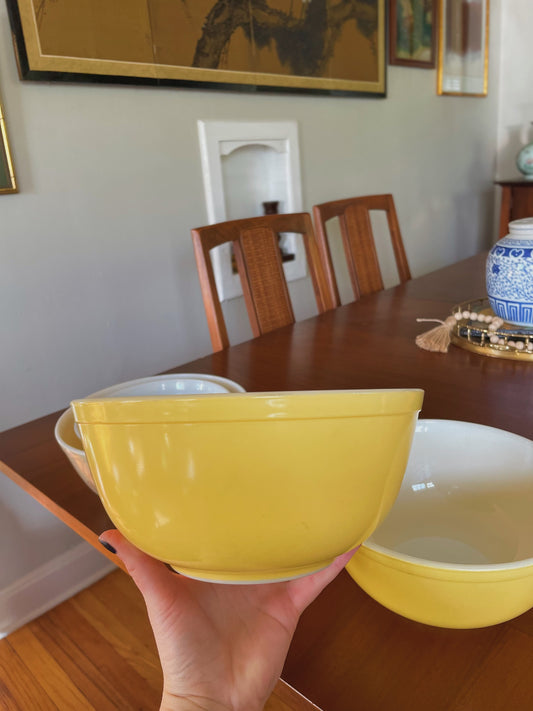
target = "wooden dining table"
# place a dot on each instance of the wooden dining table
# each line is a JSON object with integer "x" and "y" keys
{"x": 349, "y": 653}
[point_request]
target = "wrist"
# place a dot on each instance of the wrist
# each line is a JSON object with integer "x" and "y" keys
{"x": 174, "y": 702}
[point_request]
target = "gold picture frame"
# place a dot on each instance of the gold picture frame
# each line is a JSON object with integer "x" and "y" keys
{"x": 333, "y": 47}
{"x": 7, "y": 174}
{"x": 463, "y": 62}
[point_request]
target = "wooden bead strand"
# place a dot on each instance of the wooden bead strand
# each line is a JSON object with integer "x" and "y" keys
{"x": 438, "y": 339}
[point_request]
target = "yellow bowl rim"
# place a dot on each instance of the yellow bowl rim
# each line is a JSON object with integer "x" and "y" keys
{"x": 430, "y": 565}
{"x": 231, "y": 407}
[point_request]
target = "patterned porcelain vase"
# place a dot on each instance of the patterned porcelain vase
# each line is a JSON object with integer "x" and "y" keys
{"x": 524, "y": 161}
{"x": 510, "y": 274}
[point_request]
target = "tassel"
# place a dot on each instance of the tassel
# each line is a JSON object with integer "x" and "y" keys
{"x": 438, "y": 339}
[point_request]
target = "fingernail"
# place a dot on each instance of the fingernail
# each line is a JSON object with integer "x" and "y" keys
{"x": 107, "y": 546}
{"x": 172, "y": 569}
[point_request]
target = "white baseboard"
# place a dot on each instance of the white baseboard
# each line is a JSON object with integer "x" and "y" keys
{"x": 51, "y": 583}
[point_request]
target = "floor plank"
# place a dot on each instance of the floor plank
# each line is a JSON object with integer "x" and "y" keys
{"x": 97, "y": 688}
{"x": 108, "y": 660}
{"x": 47, "y": 671}
{"x": 128, "y": 641}
{"x": 19, "y": 689}
{"x": 82, "y": 655}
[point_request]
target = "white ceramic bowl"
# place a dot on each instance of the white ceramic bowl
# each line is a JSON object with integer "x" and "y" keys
{"x": 456, "y": 549}
{"x": 158, "y": 385}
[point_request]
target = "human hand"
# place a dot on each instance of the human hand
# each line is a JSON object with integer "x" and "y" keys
{"x": 221, "y": 647}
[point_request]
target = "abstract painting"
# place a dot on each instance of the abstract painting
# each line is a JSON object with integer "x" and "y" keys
{"x": 333, "y": 46}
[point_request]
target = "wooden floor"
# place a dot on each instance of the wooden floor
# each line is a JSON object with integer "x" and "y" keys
{"x": 94, "y": 652}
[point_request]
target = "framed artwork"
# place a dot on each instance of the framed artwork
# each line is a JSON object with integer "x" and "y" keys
{"x": 314, "y": 46}
{"x": 7, "y": 174}
{"x": 463, "y": 48}
{"x": 412, "y": 33}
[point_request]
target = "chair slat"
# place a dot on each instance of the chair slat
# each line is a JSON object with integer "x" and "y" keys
{"x": 358, "y": 241}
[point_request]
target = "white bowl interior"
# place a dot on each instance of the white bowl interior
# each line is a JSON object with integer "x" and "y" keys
{"x": 181, "y": 384}
{"x": 66, "y": 431}
{"x": 466, "y": 498}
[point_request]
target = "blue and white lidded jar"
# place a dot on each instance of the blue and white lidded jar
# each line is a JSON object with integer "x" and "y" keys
{"x": 510, "y": 274}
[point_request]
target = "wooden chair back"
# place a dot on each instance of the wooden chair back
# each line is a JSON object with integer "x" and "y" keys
{"x": 260, "y": 267}
{"x": 358, "y": 241}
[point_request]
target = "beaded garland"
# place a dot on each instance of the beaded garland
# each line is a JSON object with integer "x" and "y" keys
{"x": 474, "y": 326}
{"x": 495, "y": 323}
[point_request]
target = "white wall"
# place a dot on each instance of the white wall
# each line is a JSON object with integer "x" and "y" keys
{"x": 97, "y": 276}
{"x": 515, "y": 107}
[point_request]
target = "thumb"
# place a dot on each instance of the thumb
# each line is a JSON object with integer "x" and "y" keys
{"x": 147, "y": 573}
{"x": 304, "y": 590}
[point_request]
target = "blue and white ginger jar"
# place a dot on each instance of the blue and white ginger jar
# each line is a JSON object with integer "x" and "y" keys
{"x": 510, "y": 274}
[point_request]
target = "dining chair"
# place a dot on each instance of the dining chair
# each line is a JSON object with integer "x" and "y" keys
{"x": 359, "y": 243}
{"x": 260, "y": 267}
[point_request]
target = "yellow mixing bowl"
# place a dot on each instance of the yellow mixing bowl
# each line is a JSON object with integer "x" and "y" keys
{"x": 456, "y": 549}
{"x": 249, "y": 487}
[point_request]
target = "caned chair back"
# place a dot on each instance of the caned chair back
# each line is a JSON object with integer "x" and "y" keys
{"x": 260, "y": 267}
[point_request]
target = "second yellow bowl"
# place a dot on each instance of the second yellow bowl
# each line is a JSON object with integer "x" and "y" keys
{"x": 456, "y": 549}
